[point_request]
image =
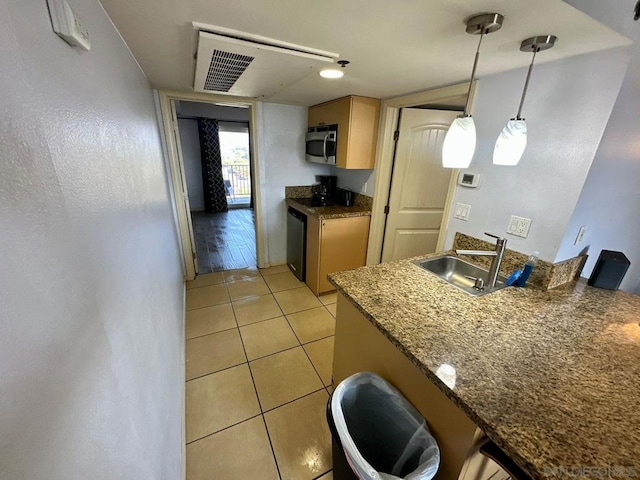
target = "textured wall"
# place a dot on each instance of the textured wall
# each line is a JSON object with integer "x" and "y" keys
{"x": 609, "y": 201}
{"x": 567, "y": 108}
{"x": 91, "y": 297}
{"x": 282, "y": 150}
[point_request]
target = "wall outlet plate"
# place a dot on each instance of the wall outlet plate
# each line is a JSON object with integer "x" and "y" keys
{"x": 67, "y": 25}
{"x": 519, "y": 226}
{"x": 581, "y": 233}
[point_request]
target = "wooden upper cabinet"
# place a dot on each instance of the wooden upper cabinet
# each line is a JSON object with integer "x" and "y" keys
{"x": 357, "y": 119}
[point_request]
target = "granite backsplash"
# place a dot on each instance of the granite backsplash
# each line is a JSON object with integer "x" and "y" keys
{"x": 545, "y": 275}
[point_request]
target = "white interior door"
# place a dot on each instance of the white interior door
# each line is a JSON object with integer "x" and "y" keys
{"x": 183, "y": 196}
{"x": 420, "y": 185}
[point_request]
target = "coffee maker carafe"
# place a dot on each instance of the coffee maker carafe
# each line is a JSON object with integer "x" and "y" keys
{"x": 319, "y": 198}
{"x": 331, "y": 182}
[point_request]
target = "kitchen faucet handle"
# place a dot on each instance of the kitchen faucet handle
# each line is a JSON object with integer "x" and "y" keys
{"x": 497, "y": 237}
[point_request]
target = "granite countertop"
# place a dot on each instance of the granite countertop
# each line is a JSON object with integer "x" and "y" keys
{"x": 334, "y": 211}
{"x": 551, "y": 376}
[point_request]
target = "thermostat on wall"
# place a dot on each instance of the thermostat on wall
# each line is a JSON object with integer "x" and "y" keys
{"x": 466, "y": 179}
{"x": 67, "y": 25}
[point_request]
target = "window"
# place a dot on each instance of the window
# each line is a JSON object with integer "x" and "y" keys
{"x": 236, "y": 171}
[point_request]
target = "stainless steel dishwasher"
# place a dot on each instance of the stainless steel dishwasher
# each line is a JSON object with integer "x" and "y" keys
{"x": 297, "y": 243}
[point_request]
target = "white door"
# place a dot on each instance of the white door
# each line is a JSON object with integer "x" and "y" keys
{"x": 183, "y": 199}
{"x": 419, "y": 185}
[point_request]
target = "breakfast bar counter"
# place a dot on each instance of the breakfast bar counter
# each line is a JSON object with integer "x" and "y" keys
{"x": 551, "y": 376}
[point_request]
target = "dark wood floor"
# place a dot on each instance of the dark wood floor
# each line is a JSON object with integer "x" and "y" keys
{"x": 225, "y": 241}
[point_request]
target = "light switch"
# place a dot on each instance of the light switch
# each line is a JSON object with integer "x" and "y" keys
{"x": 462, "y": 211}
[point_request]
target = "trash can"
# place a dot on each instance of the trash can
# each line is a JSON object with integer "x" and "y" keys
{"x": 377, "y": 434}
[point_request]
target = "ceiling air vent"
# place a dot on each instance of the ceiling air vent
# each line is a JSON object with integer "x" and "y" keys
{"x": 225, "y": 69}
{"x": 238, "y": 63}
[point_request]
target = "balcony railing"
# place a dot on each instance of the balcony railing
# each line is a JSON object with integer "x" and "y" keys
{"x": 237, "y": 182}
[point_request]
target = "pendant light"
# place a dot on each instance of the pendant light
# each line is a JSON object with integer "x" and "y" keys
{"x": 460, "y": 141}
{"x": 333, "y": 72}
{"x": 513, "y": 139}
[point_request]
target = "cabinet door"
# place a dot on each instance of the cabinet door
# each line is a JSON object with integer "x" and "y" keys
{"x": 363, "y": 134}
{"x": 343, "y": 246}
{"x": 335, "y": 112}
{"x": 313, "y": 253}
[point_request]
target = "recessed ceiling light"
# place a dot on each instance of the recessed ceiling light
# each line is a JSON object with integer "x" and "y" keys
{"x": 333, "y": 72}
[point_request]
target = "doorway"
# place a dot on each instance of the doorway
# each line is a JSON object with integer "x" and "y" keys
{"x": 408, "y": 216}
{"x": 236, "y": 240}
{"x": 419, "y": 184}
{"x": 214, "y": 145}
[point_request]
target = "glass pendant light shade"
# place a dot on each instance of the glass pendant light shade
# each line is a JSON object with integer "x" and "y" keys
{"x": 512, "y": 140}
{"x": 511, "y": 143}
{"x": 459, "y": 143}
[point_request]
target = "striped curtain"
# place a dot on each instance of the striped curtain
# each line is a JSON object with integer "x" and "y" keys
{"x": 215, "y": 198}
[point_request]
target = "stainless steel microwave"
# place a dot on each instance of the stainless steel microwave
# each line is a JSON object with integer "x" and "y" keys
{"x": 321, "y": 144}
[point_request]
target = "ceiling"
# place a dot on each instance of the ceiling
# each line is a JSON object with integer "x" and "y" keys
{"x": 394, "y": 47}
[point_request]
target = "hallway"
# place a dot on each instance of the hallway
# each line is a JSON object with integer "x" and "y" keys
{"x": 225, "y": 240}
{"x": 259, "y": 353}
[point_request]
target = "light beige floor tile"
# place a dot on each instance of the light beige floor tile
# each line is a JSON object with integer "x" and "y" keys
{"x": 254, "y": 309}
{"x": 332, "y": 309}
{"x": 282, "y": 281}
{"x": 218, "y": 401}
{"x": 204, "y": 321}
{"x": 321, "y": 354}
{"x": 214, "y": 352}
{"x": 274, "y": 269}
{"x": 330, "y": 388}
{"x": 264, "y": 338}
{"x": 328, "y": 476}
{"x": 313, "y": 324}
{"x": 206, "y": 279}
{"x": 301, "y": 438}
{"x": 295, "y": 300}
{"x": 329, "y": 298}
{"x": 206, "y": 296}
{"x": 231, "y": 276}
{"x": 250, "y": 287}
{"x": 217, "y": 457}
{"x": 283, "y": 377}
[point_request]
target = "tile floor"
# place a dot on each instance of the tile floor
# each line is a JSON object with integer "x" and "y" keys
{"x": 259, "y": 353}
{"x": 224, "y": 240}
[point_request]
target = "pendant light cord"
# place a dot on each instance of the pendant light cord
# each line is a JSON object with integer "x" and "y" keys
{"x": 473, "y": 75}
{"x": 526, "y": 84}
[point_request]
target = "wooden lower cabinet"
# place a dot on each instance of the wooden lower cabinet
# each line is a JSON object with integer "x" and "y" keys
{"x": 333, "y": 245}
{"x": 360, "y": 347}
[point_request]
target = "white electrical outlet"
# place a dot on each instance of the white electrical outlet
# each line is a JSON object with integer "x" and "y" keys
{"x": 581, "y": 233}
{"x": 519, "y": 226}
{"x": 462, "y": 211}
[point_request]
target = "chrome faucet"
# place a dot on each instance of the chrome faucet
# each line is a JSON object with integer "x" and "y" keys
{"x": 497, "y": 254}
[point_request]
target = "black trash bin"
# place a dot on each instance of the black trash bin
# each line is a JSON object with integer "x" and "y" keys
{"x": 377, "y": 434}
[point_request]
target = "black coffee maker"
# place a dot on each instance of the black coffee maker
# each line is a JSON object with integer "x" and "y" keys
{"x": 324, "y": 193}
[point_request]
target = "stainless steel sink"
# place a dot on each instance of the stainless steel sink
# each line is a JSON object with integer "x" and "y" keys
{"x": 460, "y": 274}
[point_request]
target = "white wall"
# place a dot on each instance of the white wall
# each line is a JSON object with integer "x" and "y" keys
{"x": 567, "y": 108}
{"x": 91, "y": 370}
{"x": 360, "y": 181}
{"x": 209, "y": 110}
{"x": 190, "y": 143}
{"x": 610, "y": 198}
{"x": 283, "y": 164}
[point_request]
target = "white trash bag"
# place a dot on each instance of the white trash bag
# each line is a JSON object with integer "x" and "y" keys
{"x": 383, "y": 436}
